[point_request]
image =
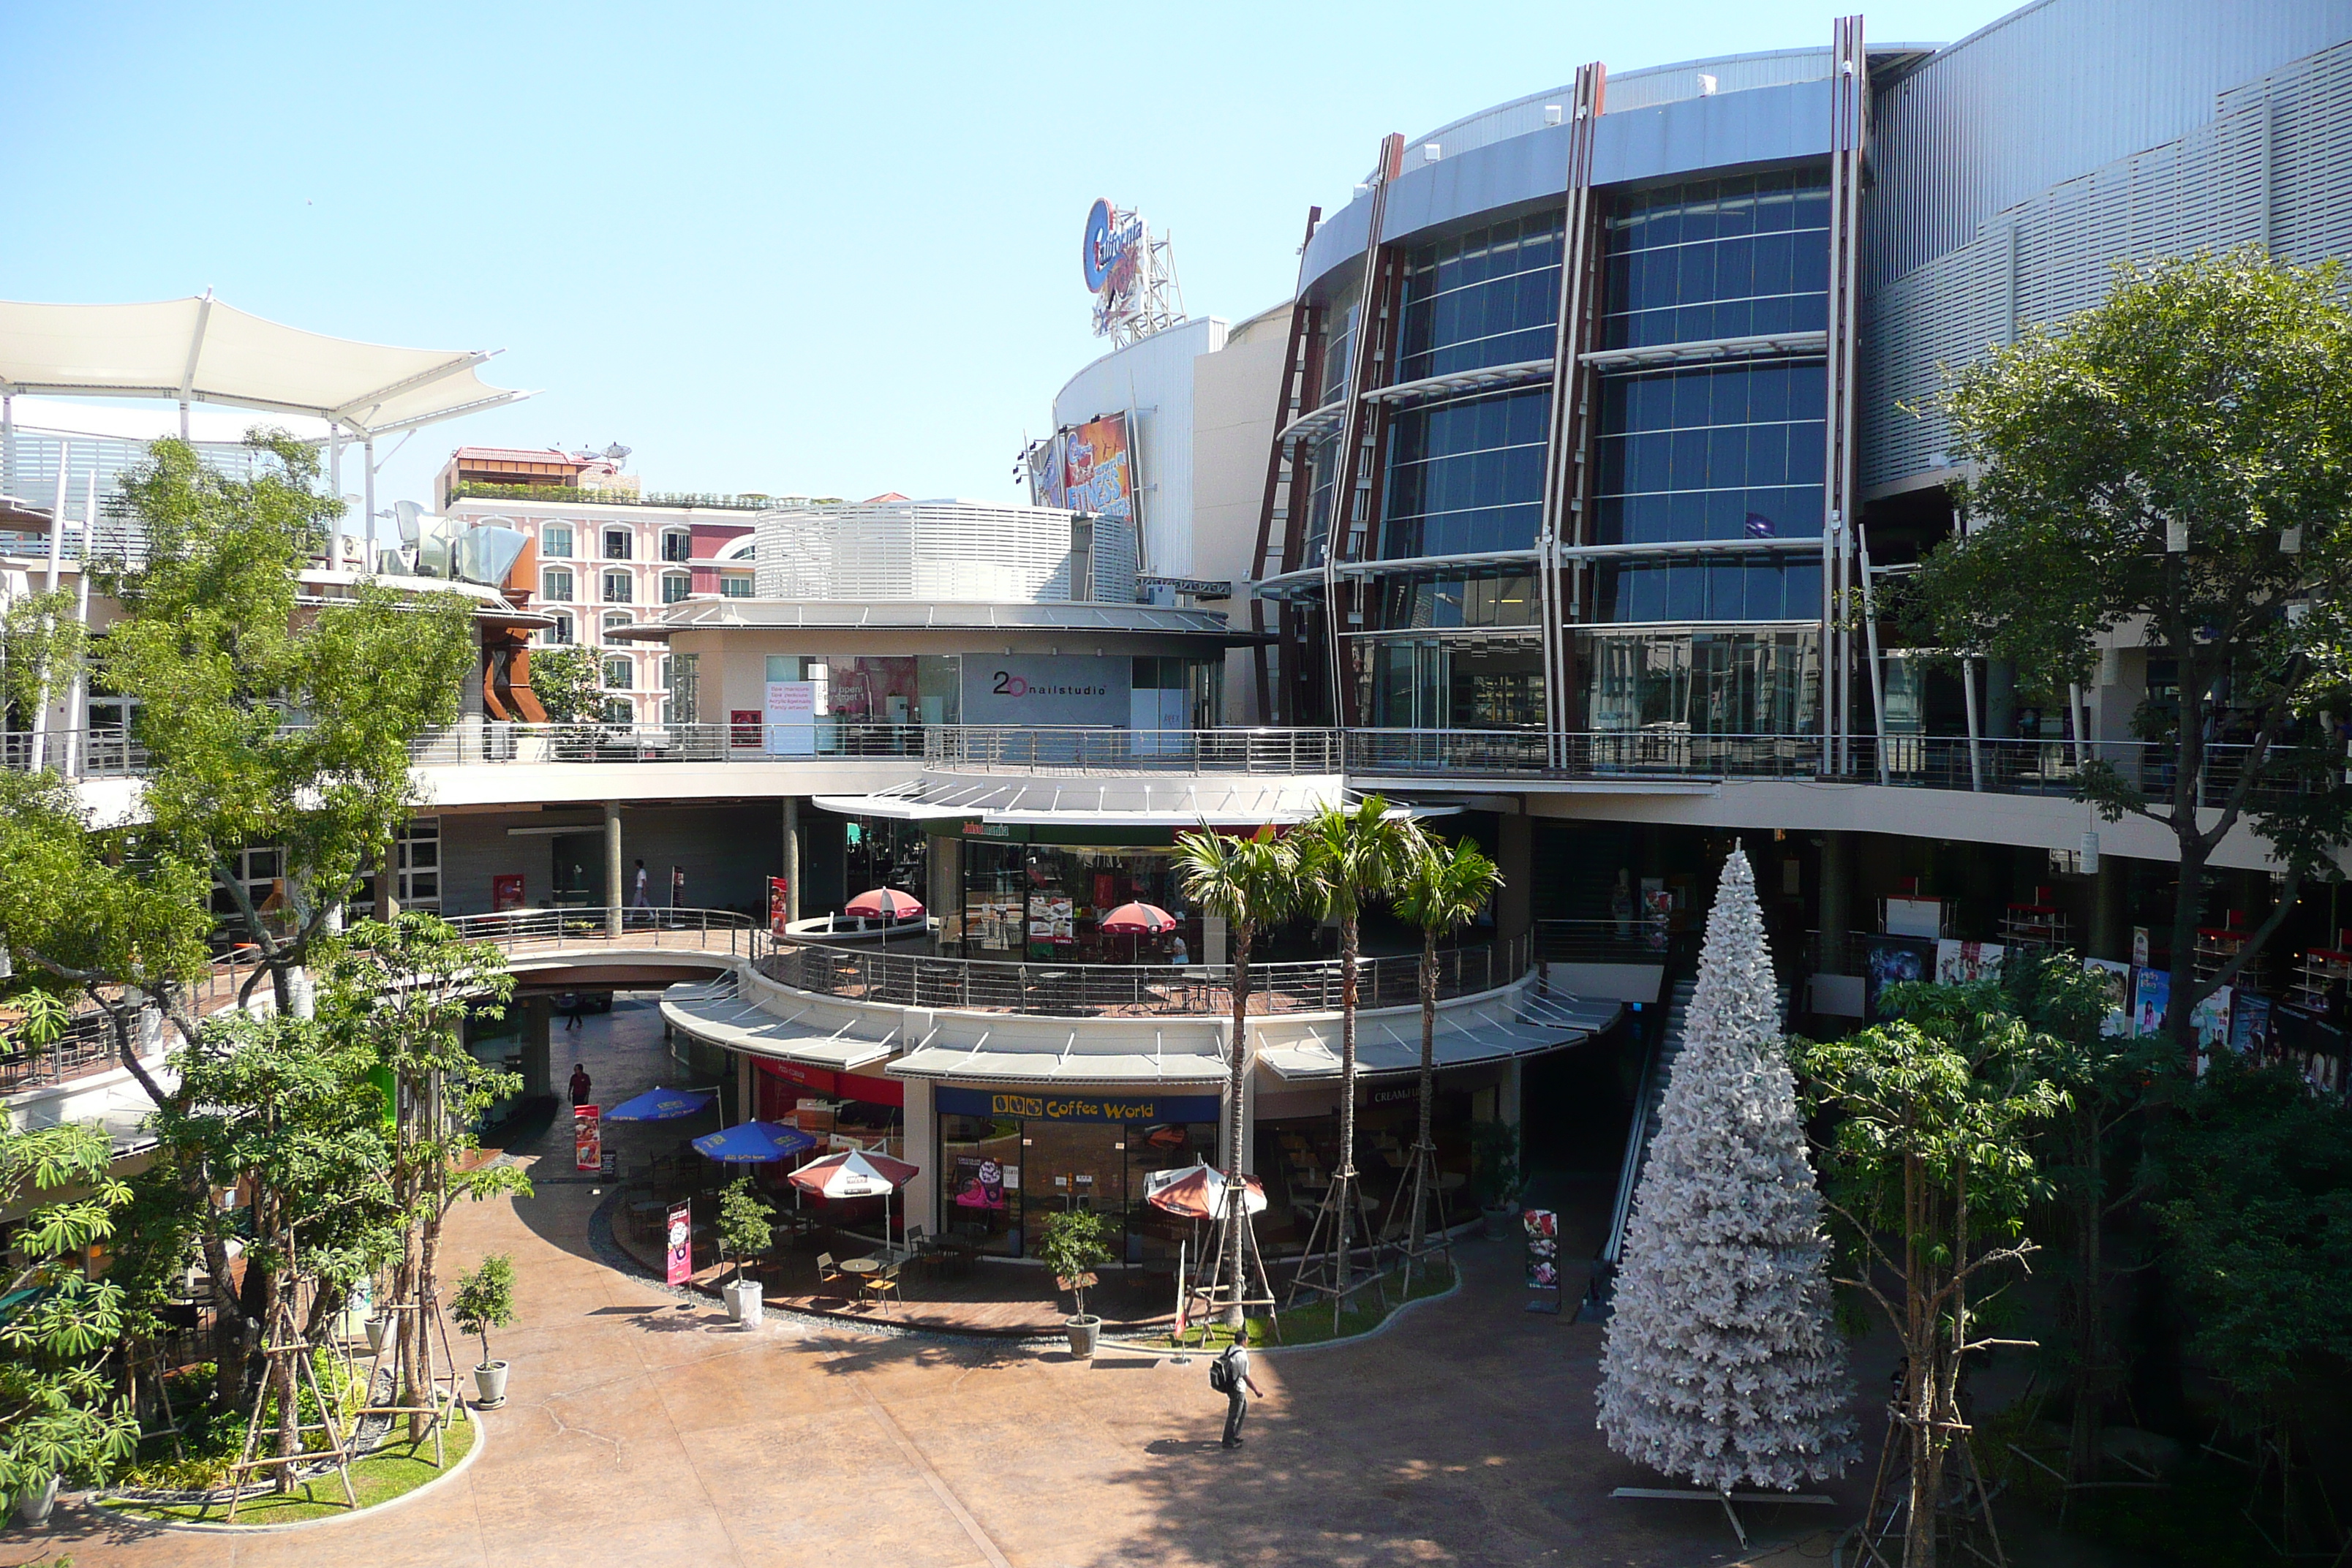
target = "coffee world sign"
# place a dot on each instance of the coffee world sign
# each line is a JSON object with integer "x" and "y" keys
{"x": 1022, "y": 1105}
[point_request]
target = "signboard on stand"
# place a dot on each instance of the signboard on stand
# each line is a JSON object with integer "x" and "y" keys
{"x": 780, "y": 904}
{"x": 1542, "y": 1227}
{"x": 677, "y": 1247}
{"x": 791, "y": 718}
{"x": 587, "y": 1139}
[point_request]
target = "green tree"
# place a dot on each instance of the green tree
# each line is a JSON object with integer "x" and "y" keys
{"x": 1248, "y": 883}
{"x": 60, "y": 1413}
{"x": 402, "y": 991}
{"x": 569, "y": 683}
{"x": 1929, "y": 1174}
{"x": 284, "y": 1105}
{"x": 2173, "y": 469}
{"x": 2106, "y": 1079}
{"x": 1072, "y": 1248}
{"x": 2256, "y": 1205}
{"x": 1442, "y": 891}
{"x": 746, "y": 1229}
{"x": 1348, "y": 855}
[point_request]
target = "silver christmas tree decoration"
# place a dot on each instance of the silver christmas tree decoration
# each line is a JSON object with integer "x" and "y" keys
{"x": 1720, "y": 1361}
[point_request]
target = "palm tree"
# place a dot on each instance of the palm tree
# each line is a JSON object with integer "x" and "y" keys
{"x": 1346, "y": 855}
{"x": 1248, "y": 883}
{"x": 1443, "y": 890}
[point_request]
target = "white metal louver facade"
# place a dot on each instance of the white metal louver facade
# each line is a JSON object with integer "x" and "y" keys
{"x": 2273, "y": 167}
{"x": 932, "y": 550}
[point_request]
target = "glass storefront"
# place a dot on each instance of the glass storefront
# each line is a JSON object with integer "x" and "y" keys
{"x": 1045, "y": 901}
{"x": 1763, "y": 681}
{"x": 1007, "y": 1161}
{"x": 1477, "y": 682}
{"x": 910, "y": 688}
{"x": 1297, "y": 1155}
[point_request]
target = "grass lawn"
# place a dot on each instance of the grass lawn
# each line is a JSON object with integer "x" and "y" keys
{"x": 1310, "y": 1324}
{"x": 379, "y": 1478}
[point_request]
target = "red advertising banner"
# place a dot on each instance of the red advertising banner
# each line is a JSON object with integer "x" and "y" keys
{"x": 780, "y": 904}
{"x": 587, "y": 1139}
{"x": 506, "y": 892}
{"x": 678, "y": 1254}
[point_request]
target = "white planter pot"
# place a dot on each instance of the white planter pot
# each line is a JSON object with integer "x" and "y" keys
{"x": 743, "y": 1301}
{"x": 33, "y": 1507}
{"x": 378, "y": 1330}
{"x": 490, "y": 1384}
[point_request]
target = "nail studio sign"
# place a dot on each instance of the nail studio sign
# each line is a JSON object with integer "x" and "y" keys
{"x": 1047, "y": 689}
{"x": 1077, "y": 1108}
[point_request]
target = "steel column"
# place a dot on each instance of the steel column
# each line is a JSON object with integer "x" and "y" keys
{"x": 1360, "y": 360}
{"x": 1849, "y": 106}
{"x": 1292, "y": 399}
{"x": 1566, "y": 437}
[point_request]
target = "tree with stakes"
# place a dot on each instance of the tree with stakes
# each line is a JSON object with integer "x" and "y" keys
{"x": 1721, "y": 1362}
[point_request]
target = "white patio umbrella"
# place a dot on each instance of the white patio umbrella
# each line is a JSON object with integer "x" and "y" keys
{"x": 856, "y": 1173}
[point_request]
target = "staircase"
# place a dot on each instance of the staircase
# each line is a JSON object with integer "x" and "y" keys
{"x": 1649, "y": 1100}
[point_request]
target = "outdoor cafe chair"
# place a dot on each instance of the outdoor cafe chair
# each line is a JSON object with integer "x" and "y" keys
{"x": 883, "y": 1281}
{"x": 828, "y": 1272}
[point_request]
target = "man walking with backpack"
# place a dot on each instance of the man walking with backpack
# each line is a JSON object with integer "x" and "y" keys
{"x": 1229, "y": 1375}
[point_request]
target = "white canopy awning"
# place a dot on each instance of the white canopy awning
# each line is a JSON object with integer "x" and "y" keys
{"x": 1175, "y": 1056}
{"x": 713, "y": 1014}
{"x": 1527, "y": 1024}
{"x": 201, "y": 351}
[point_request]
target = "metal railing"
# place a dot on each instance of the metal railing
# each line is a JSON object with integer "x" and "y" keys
{"x": 1095, "y": 990}
{"x": 1029, "y": 750}
{"x": 491, "y": 740}
{"x": 84, "y": 753}
{"x": 1636, "y": 938}
{"x": 706, "y": 930}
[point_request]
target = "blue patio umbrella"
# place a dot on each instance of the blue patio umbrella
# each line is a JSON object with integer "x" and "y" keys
{"x": 755, "y": 1143}
{"x": 661, "y": 1105}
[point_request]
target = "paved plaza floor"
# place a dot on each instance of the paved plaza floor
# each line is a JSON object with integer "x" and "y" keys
{"x": 645, "y": 1430}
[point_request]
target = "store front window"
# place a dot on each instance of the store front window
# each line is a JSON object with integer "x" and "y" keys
{"x": 1009, "y": 1162}
{"x": 1046, "y": 901}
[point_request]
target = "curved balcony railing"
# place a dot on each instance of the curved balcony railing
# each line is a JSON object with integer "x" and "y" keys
{"x": 521, "y": 932}
{"x": 1017, "y": 749}
{"x": 489, "y": 741}
{"x": 1136, "y": 990}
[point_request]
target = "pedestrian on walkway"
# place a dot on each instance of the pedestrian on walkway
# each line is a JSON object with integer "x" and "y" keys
{"x": 581, "y": 1088}
{"x": 1229, "y": 1375}
{"x": 641, "y": 887}
{"x": 572, "y": 1007}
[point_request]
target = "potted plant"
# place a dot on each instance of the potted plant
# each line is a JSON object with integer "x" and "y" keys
{"x": 1494, "y": 1170}
{"x": 33, "y": 1507}
{"x": 485, "y": 1301}
{"x": 1073, "y": 1248}
{"x": 745, "y": 1232}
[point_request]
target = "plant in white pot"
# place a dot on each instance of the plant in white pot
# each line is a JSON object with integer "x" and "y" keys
{"x": 1494, "y": 1170}
{"x": 1073, "y": 1248}
{"x": 485, "y": 1301}
{"x": 745, "y": 1232}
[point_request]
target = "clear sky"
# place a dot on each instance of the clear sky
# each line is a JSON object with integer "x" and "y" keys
{"x": 826, "y": 250}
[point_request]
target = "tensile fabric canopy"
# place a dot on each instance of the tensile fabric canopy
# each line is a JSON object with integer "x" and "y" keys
{"x": 883, "y": 903}
{"x": 854, "y": 1174}
{"x": 755, "y": 1143}
{"x": 1137, "y": 920}
{"x": 1198, "y": 1191}
{"x": 662, "y": 1105}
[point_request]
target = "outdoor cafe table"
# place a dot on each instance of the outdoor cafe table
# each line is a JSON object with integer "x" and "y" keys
{"x": 860, "y": 1267}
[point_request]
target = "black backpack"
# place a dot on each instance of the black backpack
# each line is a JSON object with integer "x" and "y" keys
{"x": 1220, "y": 1375}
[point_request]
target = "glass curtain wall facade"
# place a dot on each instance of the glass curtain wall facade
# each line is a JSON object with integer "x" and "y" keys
{"x": 1723, "y": 447}
{"x": 1460, "y": 476}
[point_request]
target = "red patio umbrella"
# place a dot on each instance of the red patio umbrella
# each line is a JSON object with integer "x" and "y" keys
{"x": 883, "y": 903}
{"x": 1137, "y": 921}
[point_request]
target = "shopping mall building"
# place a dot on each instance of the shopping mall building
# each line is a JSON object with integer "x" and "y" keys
{"x": 1554, "y": 506}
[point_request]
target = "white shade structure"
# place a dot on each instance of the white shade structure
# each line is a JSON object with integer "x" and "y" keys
{"x": 201, "y": 351}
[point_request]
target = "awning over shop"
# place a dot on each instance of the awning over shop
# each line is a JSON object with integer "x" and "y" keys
{"x": 1173, "y": 1056}
{"x": 715, "y": 1014}
{"x": 1171, "y": 806}
{"x": 1527, "y": 1024}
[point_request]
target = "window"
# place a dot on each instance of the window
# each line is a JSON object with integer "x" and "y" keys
{"x": 1466, "y": 478}
{"x": 616, "y": 544}
{"x": 555, "y": 541}
{"x": 1711, "y": 452}
{"x": 677, "y": 544}
{"x": 417, "y": 864}
{"x": 560, "y": 634}
{"x": 1486, "y": 297}
{"x": 619, "y": 672}
{"x": 676, "y": 585}
{"x": 612, "y": 621}
{"x": 1082, "y": 559}
{"x": 619, "y": 588}
{"x": 619, "y": 710}
{"x": 555, "y": 584}
{"x": 734, "y": 585}
{"x": 1736, "y": 257}
{"x": 680, "y": 681}
{"x": 256, "y": 870}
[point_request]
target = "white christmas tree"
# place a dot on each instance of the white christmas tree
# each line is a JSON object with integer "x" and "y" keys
{"x": 1720, "y": 1361}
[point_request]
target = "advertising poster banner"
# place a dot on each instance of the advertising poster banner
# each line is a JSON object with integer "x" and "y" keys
{"x": 506, "y": 892}
{"x": 1888, "y": 961}
{"x": 1098, "y": 469}
{"x": 1542, "y": 1227}
{"x": 2151, "y": 991}
{"x": 677, "y": 1249}
{"x": 1959, "y": 963}
{"x": 791, "y": 718}
{"x": 2115, "y": 979}
{"x": 780, "y": 904}
{"x": 1049, "y": 483}
{"x": 979, "y": 1182}
{"x": 587, "y": 1139}
{"x": 2250, "y": 1026}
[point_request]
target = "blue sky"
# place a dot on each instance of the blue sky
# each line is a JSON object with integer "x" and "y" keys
{"x": 817, "y": 250}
